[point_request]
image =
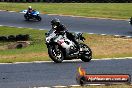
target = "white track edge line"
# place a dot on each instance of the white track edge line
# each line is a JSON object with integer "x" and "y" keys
{"x": 75, "y": 60}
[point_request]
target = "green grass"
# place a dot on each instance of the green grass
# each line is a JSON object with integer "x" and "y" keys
{"x": 109, "y": 46}
{"x": 36, "y": 51}
{"x": 102, "y": 46}
{"x": 37, "y": 37}
{"x": 105, "y": 10}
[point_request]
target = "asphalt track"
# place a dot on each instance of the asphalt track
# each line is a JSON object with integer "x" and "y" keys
{"x": 76, "y": 24}
{"x": 48, "y": 74}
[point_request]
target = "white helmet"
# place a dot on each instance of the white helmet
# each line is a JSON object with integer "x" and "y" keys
{"x": 29, "y": 7}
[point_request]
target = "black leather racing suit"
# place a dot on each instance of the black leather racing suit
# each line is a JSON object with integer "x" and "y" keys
{"x": 29, "y": 11}
{"x": 60, "y": 29}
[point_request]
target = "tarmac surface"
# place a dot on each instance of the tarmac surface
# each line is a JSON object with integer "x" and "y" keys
{"x": 76, "y": 24}
{"x": 29, "y": 75}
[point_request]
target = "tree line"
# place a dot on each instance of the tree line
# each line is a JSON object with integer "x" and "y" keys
{"x": 69, "y": 1}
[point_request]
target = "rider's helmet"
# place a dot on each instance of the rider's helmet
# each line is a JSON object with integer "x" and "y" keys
{"x": 55, "y": 22}
{"x": 29, "y": 7}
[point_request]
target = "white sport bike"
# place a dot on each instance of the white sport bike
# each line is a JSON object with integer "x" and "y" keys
{"x": 61, "y": 48}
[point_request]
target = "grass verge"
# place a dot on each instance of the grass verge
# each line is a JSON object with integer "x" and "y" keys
{"x": 102, "y": 46}
{"x": 104, "y": 10}
{"x": 36, "y": 51}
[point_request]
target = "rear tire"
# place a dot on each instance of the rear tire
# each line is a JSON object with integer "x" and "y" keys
{"x": 87, "y": 54}
{"x": 55, "y": 56}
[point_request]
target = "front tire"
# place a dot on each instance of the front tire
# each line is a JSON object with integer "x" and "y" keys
{"x": 56, "y": 55}
{"x": 39, "y": 18}
{"x": 26, "y": 17}
{"x": 87, "y": 53}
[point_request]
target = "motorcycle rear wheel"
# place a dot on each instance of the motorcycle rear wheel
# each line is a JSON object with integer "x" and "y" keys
{"x": 56, "y": 55}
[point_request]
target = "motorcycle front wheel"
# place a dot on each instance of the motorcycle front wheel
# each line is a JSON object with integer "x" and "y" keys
{"x": 26, "y": 17}
{"x": 55, "y": 53}
{"x": 87, "y": 53}
{"x": 39, "y": 18}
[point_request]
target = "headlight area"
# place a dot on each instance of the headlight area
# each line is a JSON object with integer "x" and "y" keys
{"x": 47, "y": 40}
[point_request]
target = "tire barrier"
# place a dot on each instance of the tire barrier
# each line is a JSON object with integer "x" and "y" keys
{"x": 11, "y": 38}
{"x": 22, "y": 37}
{"x": 3, "y": 38}
{"x": 19, "y": 37}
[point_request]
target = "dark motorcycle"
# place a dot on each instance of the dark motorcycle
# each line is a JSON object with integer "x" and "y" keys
{"x": 130, "y": 21}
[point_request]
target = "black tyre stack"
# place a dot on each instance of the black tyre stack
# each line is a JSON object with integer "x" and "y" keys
{"x": 3, "y": 38}
{"x": 11, "y": 38}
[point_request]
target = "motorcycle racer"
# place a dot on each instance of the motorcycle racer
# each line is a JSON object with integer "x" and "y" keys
{"x": 32, "y": 14}
{"x": 61, "y": 46}
{"x": 61, "y": 29}
{"x": 29, "y": 10}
